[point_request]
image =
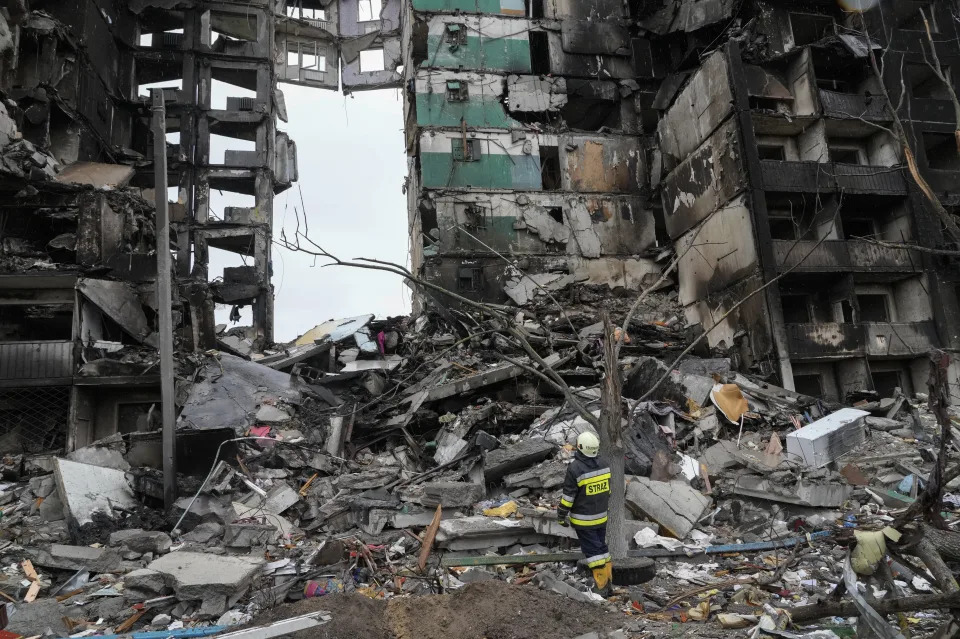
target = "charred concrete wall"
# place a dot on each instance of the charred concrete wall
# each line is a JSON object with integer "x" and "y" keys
{"x": 787, "y": 136}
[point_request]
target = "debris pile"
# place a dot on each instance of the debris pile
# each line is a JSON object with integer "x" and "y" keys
{"x": 405, "y": 456}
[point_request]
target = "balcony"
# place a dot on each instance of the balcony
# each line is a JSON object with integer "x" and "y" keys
{"x": 873, "y": 339}
{"x": 818, "y": 177}
{"x": 847, "y": 106}
{"x": 843, "y": 255}
{"x": 930, "y": 110}
{"x": 26, "y": 362}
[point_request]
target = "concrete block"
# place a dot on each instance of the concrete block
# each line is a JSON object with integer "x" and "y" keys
{"x": 86, "y": 489}
{"x": 374, "y": 478}
{"x": 143, "y": 584}
{"x": 247, "y": 535}
{"x": 64, "y": 557}
{"x": 142, "y": 541}
{"x": 479, "y": 532}
{"x": 449, "y": 494}
{"x": 204, "y": 533}
{"x": 196, "y": 576}
{"x": 416, "y": 517}
{"x": 674, "y": 505}
{"x": 802, "y": 493}
{"x": 99, "y": 456}
{"x": 510, "y": 459}
{"x": 546, "y": 475}
{"x": 720, "y": 456}
{"x": 279, "y": 498}
{"x": 828, "y": 438}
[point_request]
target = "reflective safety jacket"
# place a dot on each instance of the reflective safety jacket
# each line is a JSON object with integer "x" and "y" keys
{"x": 586, "y": 491}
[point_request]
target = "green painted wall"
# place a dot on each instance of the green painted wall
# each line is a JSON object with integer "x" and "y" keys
{"x": 502, "y": 54}
{"x": 433, "y": 109}
{"x": 494, "y": 7}
{"x": 491, "y": 171}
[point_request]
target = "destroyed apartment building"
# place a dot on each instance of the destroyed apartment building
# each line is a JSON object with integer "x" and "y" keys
{"x": 761, "y": 194}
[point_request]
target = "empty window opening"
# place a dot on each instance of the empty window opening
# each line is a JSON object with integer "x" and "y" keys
{"x": 873, "y": 308}
{"x": 772, "y": 152}
{"x": 810, "y": 27}
{"x": 41, "y": 322}
{"x": 429, "y": 227}
{"x": 556, "y": 213}
{"x": 456, "y": 91}
{"x": 470, "y": 279}
{"x": 171, "y": 39}
{"x": 941, "y": 151}
{"x": 540, "y": 52}
{"x": 783, "y": 228}
{"x": 886, "y": 382}
{"x": 550, "y": 168}
{"x": 369, "y": 10}
{"x": 924, "y": 82}
{"x": 305, "y": 13}
{"x": 915, "y": 19}
{"x": 796, "y": 309}
{"x": 220, "y": 91}
{"x": 846, "y": 154}
{"x": 811, "y": 385}
{"x": 232, "y": 151}
{"x": 535, "y": 8}
{"x": 306, "y": 55}
{"x": 846, "y": 308}
{"x": 475, "y": 217}
{"x": 371, "y": 60}
{"x": 859, "y": 227}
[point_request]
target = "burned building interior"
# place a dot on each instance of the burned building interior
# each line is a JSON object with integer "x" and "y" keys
{"x": 787, "y": 170}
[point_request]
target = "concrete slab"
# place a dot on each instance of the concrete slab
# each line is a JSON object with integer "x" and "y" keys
{"x": 674, "y": 505}
{"x": 546, "y": 475}
{"x": 86, "y": 489}
{"x": 803, "y": 493}
{"x": 479, "y": 532}
{"x": 449, "y": 494}
{"x": 220, "y": 580}
{"x": 510, "y": 459}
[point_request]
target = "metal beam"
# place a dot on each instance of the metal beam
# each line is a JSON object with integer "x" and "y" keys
{"x": 164, "y": 297}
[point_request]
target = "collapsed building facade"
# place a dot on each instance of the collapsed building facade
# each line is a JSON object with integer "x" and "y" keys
{"x": 756, "y": 139}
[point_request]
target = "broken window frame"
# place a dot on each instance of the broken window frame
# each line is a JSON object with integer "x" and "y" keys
{"x": 813, "y": 18}
{"x": 455, "y": 34}
{"x": 297, "y": 47}
{"x": 374, "y": 15}
{"x": 473, "y": 150}
{"x": 457, "y": 91}
{"x": 470, "y": 279}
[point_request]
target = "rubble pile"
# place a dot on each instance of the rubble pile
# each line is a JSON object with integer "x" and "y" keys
{"x": 400, "y": 457}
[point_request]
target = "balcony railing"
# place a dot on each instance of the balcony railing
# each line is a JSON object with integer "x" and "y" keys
{"x": 842, "y": 255}
{"x": 875, "y": 339}
{"x": 817, "y": 177}
{"x": 36, "y": 360}
{"x": 854, "y": 106}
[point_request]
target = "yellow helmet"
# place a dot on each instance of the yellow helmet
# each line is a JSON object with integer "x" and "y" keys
{"x": 588, "y": 444}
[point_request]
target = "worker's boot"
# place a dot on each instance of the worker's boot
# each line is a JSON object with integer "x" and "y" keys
{"x": 602, "y": 580}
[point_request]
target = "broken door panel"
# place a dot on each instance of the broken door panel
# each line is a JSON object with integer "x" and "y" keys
{"x": 479, "y": 43}
{"x": 446, "y": 99}
{"x": 491, "y": 160}
{"x": 601, "y": 164}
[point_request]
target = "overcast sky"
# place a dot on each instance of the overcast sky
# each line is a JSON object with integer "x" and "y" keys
{"x": 352, "y": 167}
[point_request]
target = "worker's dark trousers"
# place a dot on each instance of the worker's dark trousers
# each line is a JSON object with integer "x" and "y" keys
{"x": 593, "y": 544}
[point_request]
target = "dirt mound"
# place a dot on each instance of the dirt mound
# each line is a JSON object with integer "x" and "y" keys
{"x": 354, "y": 617}
{"x": 486, "y": 610}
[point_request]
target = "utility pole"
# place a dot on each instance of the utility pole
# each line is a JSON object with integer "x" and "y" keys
{"x": 164, "y": 309}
